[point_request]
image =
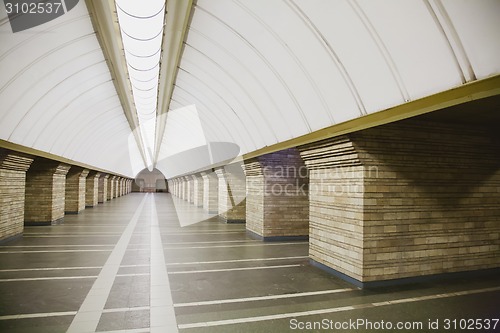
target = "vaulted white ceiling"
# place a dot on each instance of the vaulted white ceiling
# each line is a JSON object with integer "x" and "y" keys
{"x": 257, "y": 72}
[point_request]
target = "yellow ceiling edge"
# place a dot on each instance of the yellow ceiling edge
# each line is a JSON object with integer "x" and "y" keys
{"x": 38, "y": 153}
{"x": 105, "y": 23}
{"x": 176, "y": 23}
{"x": 465, "y": 93}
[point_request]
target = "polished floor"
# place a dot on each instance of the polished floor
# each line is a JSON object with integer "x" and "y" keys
{"x": 128, "y": 266}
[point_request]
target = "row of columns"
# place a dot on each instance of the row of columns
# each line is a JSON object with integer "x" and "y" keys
{"x": 39, "y": 191}
{"x": 268, "y": 193}
{"x": 394, "y": 202}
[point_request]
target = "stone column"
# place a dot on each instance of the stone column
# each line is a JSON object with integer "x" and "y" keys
{"x": 92, "y": 189}
{"x": 197, "y": 190}
{"x": 189, "y": 188}
{"x": 404, "y": 200}
{"x": 210, "y": 192}
{"x": 176, "y": 187}
{"x": 103, "y": 188}
{"x": 13, "y": 167}
{"x": 232, "y": 191}
{"x": 116, "y": 186}
{"x": 45, "y": 192}
{"x": 75, "y": 190}
{"x": 277, "y": 203}
{"x": 111, "y": 187}
{"x": 119, "y": 181}
{"x": 184, "y": 189}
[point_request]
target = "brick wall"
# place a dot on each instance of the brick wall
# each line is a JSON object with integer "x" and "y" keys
{"x": 406, "y": 199}
{"x": 232, "y": 193}
{"x": 111, "y": 187}
{"x": 277, "y": 203}
{"x": 189, "y": 189}
{"x": 210, "y": 192}
{"x": 103, "y": 188}
{"x": 75, "y": 190}
{"x": 13, "y": 167}
{"x": 336, "y": 205}
{"x": 92, "y": 189}
{"x": 45, "y": 192}
{"x": 197, "y": 190}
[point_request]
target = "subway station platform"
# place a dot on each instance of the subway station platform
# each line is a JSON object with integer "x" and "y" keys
{"x": 128, "y": 266}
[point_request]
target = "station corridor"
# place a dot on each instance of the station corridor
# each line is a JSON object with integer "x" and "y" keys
{"x": 249, "y": 166}
{"x": 106, "y": 270}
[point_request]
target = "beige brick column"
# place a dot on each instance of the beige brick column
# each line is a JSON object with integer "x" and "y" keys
{"x": 232, "y": 191}
{"x": 92, "y": 189}
{"x": 210, "y": 192}
{"x": 130, "y": 182}
{"x": 13, "y": 167}
{"x": 184, "y": 189}
{"x": 277, "y": 203}
{"x": 103, "y": 188}
{"x": 197, "y": 190}
{"x": 405, "y": 200}
{"x": 45, "y": 192}
{"x": 119, "y": 183}
{"x": 75, "y": 190}
{"x": 111, "y": 187}
{"x": 177, "y": 187}
{"x": 189, "y": 189}
{"x": 116, "y": 183}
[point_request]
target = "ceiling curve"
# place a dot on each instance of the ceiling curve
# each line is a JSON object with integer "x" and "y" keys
{"x": 255, "y": 72}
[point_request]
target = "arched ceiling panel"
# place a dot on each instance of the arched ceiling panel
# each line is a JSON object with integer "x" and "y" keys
{"x": 48, "y": 110}
{"x": 89, "y": 125}
{"x": 253, "y": 90}
{"x": 221, "y": 75}
{"x": 477, "y": 30}
{"x": 253, "y": 59}
{"x": 225, "y": 104}
{"x": 259, "y": 72}
{"x": 210, "y": 113}
{"x": 415, "y": 43}
{"x": 210, "y": 122}
{"x": 371, "y": 77}
{"x": 47, "y": 77}
{"x": 59, "y": 96}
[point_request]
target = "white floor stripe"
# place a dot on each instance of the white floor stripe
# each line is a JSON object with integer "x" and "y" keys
{"x": 137, "y": 308}
{"x": 67, "y": 313}
{"x": 38, "y": 315}
{"x": 72, "y": 235}
{"x": 263, "y": 298}
{"x": 67, "y": 277}
{"x": 228, "y": 246}
{"x": 53, "y": 251}
{"x": 133, "y": 330}
{"x": 67, "y": 236}
{"x": 201, "y": 233}
{"x": 332, "y": 310}
{"x": 233, "y": 261}
{"x": 161, "y": 313}
{"x": 68, "y": 245}
{"x": 84, "y": 233}
{"x": 212, "y": 242}
{"x": 234, "y": 269}
{"x": 62, "y": 268}
{"x": 87, "y": 318}
{"x": 48, "y": 269}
